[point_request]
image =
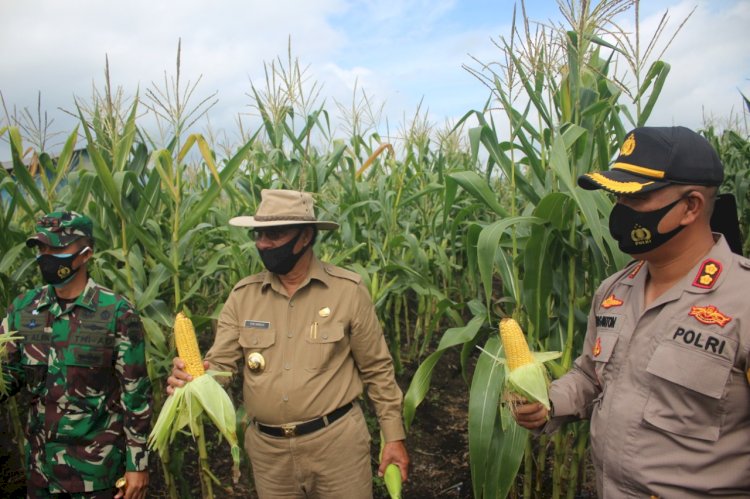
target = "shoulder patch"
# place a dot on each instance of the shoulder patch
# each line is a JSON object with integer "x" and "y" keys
{"x": 745, "y": 262}
{"x": 342, "y": 273}
{"x": 708, "y": 274}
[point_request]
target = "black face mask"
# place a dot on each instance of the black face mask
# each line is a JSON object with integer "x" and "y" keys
{"x": 58, "y": 269}
{"x": 636, "y": 231}
{"x": 281, "y": 260}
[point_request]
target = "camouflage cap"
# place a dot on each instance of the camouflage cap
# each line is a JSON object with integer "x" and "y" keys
{"x": 60, "y": 228}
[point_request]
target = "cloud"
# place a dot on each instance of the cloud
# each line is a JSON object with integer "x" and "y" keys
{"x": 709, "y": 62}
{"x": 399, "y": 52}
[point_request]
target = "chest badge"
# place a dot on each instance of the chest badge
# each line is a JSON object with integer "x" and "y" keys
{"x": 256, "y": 363}
{"x": 707, "y": 275}
{"x": 709, "y": 315}
{"x": 611, "y": 301}
{"x": 597, "y": 347}
{"x": 324, "y": 312}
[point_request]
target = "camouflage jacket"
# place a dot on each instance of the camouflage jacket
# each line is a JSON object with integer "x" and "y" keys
{"x": 85, "y": 367}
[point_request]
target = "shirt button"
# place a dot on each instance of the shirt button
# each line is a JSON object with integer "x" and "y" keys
{"x": 291, "y": 304}
{"x": 285, "y": 398}
{"x": 287, "y": 366}
{"x": 255, "y": 341}
{"x": 289, "y": 334}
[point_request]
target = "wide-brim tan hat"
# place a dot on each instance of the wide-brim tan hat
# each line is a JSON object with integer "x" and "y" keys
{"x": 283, "y": 207}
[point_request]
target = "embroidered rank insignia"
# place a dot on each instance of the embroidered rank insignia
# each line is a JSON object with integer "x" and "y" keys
{"x": 611, "y": 301}
{"x": 636, "y": 269}
{"x": 707, "y": 275}
{"x": 597, "y": 347}
{"x": 709, "y": 315}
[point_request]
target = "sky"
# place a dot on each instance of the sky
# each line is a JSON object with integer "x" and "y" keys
{"x": 400, "y": 52}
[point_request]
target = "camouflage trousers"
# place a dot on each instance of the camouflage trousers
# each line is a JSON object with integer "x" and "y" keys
{"x": 46, "y": 494}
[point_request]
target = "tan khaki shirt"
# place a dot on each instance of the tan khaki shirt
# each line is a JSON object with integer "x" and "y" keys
{"x": 666, "y": 387}
{"x": 319, "y": 346}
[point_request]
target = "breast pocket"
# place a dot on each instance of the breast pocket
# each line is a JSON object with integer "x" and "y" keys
{"x": 34, "y": 359}
{"x": 323, "y": 342}
{"x": 602, "y": 352}
{"x": 258, "y": 340}
{"x": 90, "y": 371}
{"x": 686, "y": 396}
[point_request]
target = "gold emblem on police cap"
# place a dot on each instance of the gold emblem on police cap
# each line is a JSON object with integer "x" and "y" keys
{"x": 628, "y": 146}
{"x": 324, "y": 312}
{"x": 255, "y": 362}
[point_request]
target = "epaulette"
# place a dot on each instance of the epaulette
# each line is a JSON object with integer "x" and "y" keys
{"x": 744, "y": 262}
{"x": 253, "y": 279}
{"x": 335, "y": 271}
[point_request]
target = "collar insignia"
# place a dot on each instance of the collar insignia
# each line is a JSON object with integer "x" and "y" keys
{"x": 597, "y": 347}
{"x": 709, "y": 315}
{"x": 611, "y": 301}
{"x": 707, "y": 275}
{"x": 636, "y": 269}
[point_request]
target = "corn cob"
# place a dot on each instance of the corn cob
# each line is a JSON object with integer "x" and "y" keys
{"x": 187, "y": 404}
{"x": 517, "y": 351}
{"x": 392, "y": 475}
{"x": 187, "y": 345}
{"x": 525, "y": 374}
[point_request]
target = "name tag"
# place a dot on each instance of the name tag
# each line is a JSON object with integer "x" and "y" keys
{"x": 257, "y": 324}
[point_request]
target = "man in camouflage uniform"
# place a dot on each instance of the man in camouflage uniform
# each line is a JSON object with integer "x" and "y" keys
{"x": 81, "y": 354}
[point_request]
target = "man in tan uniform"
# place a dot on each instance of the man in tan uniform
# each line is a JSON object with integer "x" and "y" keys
{"x": 663, "y": 370}
{"x": 308, "y": 337}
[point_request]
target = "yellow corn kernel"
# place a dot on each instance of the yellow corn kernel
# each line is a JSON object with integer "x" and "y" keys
{"x": 187, "y": 345}
{"x": 517, "y": 351}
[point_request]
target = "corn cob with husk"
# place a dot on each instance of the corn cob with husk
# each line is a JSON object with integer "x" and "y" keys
{"x": 391, "y": 475}
{"x": 526, "y": 376}
{"x": 187, "y": 403}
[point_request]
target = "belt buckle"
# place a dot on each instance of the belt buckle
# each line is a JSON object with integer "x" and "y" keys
{"x": 289, "y": 430}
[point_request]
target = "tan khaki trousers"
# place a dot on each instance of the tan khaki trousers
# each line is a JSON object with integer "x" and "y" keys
{"x": 331, "y": 463}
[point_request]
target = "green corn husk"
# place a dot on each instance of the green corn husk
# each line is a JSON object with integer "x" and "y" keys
{"x": 530, "y": 381}
{"x": 392, "y": 475}
{"x": 5, "y": 338}
{"x": 184, "y": 408}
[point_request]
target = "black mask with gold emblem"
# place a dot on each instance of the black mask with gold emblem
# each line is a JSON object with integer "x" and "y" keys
{"x": 58, "y": 269}
{"x": 637, "y": 231}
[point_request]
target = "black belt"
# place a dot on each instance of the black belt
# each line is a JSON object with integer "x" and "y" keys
{"x": 296, "y": 430}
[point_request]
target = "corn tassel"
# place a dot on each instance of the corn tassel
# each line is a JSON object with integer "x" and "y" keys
{"x": 186, "y": 405}
{"x": 525, "y": 374}
{"x": 392, "y": 475}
